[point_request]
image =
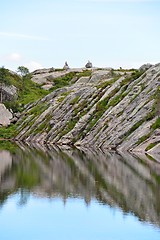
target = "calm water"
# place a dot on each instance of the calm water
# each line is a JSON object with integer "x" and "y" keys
{"x": 48, "y": 194}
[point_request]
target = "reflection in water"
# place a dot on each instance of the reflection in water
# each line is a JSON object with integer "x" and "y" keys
{"x": 128, "y": 182}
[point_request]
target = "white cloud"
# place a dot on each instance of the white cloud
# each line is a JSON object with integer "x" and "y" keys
{"x": 32, "y": 65}
{"x": 14, "y": 57}
{"x": 24, "y": 36}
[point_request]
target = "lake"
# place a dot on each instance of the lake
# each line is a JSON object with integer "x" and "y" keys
{"x": 47, "y": 193}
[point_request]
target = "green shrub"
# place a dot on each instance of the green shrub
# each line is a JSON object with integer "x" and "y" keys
{"x": 14, "y": 105}
{"x": 8, "y": 132}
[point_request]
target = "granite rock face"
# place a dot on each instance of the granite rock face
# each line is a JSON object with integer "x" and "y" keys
{"x": 5, "y": 116}
{"x": 9, "y": 93}
{"x": 109, "y": 109}
{"x": 46, "y": 77}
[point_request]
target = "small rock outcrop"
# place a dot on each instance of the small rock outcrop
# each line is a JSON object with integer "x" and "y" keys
{"x": 66, "y": 66}
{"x": 43, "y": 71}
{"x": 145, "y": 67}
{"x": 5, "y": 115}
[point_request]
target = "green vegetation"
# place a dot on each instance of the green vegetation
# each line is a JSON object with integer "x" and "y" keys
{"x": 70, "y": 125}
{"x": 75, "y": 100}
{"x": 9, "y": 146}
{"x": 3, "y": 80}
{"x": 8, "y": 133}
{"x": 28, "y": 91}
{"x": 44, "y": 125}
{"x": 31, "y": 93}
{"x": 103, "y": 105}
{"x": 133, "y": 128}
{"x": 63, "y": 81}
{"x": 151, "y": 145}
{"x": 63, "y": 96}
{"x": 156, "y": 124}
{"x": 85, "y": 73}
{"x": 105, "y": 84}
{"x": 37, "y": 110}
{"x": 143, "y": 138}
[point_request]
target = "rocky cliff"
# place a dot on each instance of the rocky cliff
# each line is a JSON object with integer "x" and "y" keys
{"x": 105, "y": 108}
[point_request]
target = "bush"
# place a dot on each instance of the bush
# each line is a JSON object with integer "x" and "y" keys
{"x": 14, "y": 105}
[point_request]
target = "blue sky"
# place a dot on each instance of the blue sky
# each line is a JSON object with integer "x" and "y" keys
{"x": 46, "y": 33}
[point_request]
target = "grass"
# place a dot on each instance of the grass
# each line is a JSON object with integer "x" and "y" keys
{"x": 8, "y": 132}
{"x": 63, "y": 81}
{"x": 38, "y": 109}
{"x": 75, "y": 100}
{"x": 105, "y": 84}
{"x": 143, "y": 138}
{"x": 31, "y": 93}
{"x": 44, "y": 125}
{"x": 28, "y": 91}
{"x": 8, "y": 145}
{"x": 85, "y": 73}
{"x": 63, "y": 96}
{"x": 151, "y": 145}
{"x": 70, "y": 125}
{"x": 133, "y": 128}
{"x": 156, "y": 124}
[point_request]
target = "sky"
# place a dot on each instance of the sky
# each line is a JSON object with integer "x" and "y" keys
{"x": 109, "y": 33}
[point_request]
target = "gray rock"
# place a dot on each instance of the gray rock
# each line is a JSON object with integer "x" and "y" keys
{"x": 5, "y": 116}
{"x": 14, "y": 120}
{"x": 99, "y": 75}
{"x": 9, "y": 93}
{"x": 88, "y": 65}
{"x": 145, "y": 67}
{"x": 43, "y": 71}
{"x": 83, "y": 80}
{"x": 47, "y": 86}
{"x": 66, "y": 66}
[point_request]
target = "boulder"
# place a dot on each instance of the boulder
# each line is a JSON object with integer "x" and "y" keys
{"x": 44, "y": 70}
{"x": 66, "y": 66}
{"x": 145, "y": 67}
{"x": 9, "y": 93}
{"x": 88, "y": 65}
{"x": 47, "y": 86}
{"x": 5, "y": 116}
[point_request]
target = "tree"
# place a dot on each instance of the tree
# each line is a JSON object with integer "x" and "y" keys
{"x": 24, "y": 73}
{"x": 3, "y": 81}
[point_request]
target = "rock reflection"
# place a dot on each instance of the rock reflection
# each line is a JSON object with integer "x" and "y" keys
{"x": 131, "y": 183}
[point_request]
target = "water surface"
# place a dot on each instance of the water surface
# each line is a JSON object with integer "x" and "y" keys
{"x": 47, "y": 193}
